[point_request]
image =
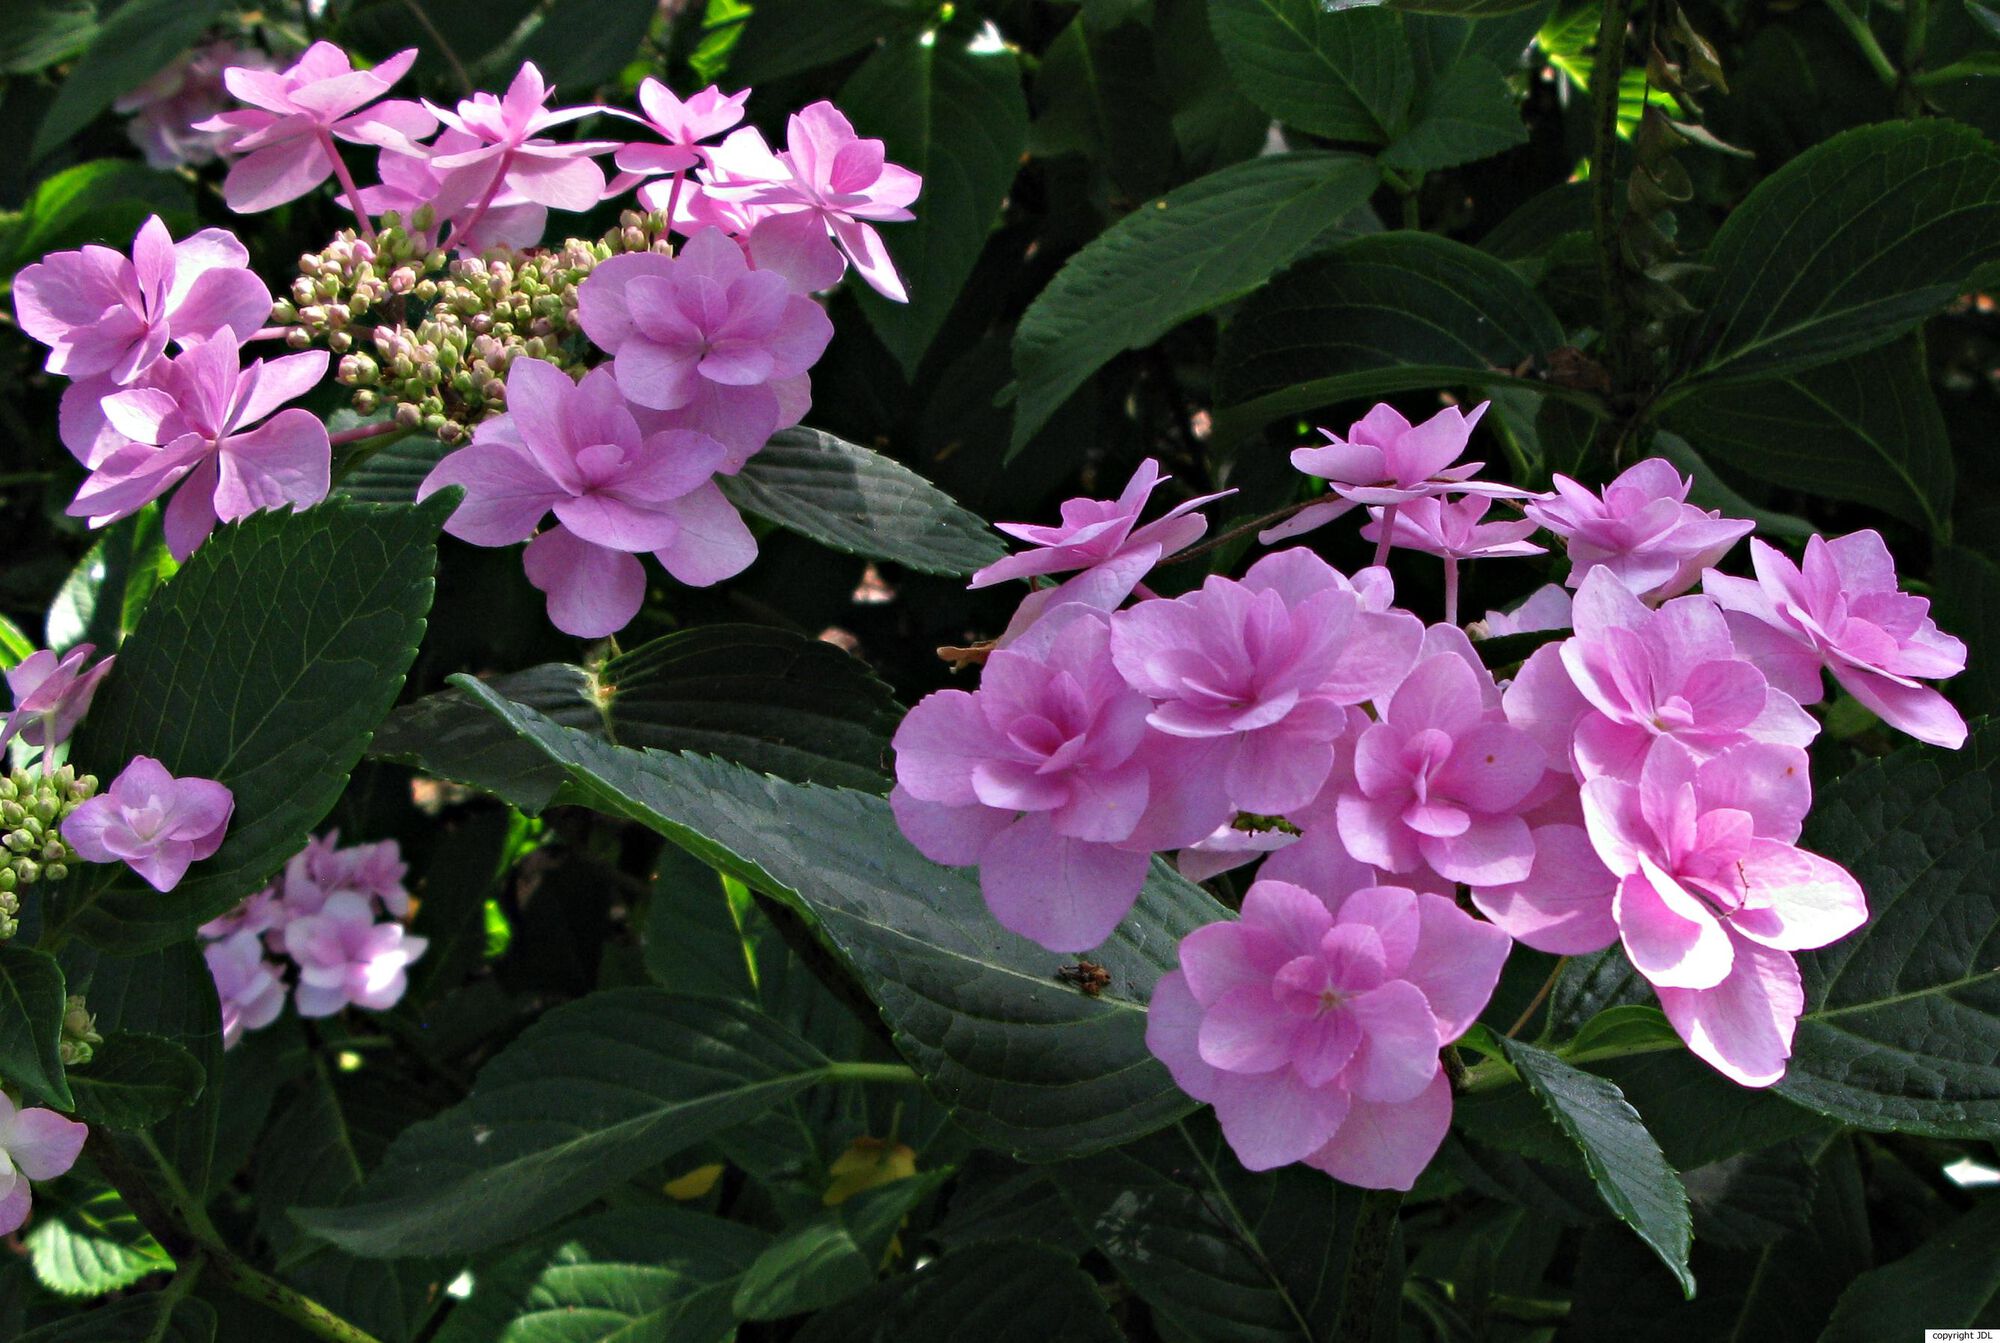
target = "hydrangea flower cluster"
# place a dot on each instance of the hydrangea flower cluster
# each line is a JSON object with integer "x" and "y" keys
{"x": 700, "y": 316}
{"x": 329, "y": 933}
{"x": 167, "y": 109}
{"x": 1641, "y": 781}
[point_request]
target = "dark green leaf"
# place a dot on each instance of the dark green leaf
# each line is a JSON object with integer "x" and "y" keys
{"x": 1846, "y": 247}
{"x": 84, "y": 1241}
{"x": 1631, "y": 1174}
{"x": 102, "y": 201}
{"x": 32, "y": 998}
{"x": 762, "y": 697}
{"x": 41, "y": 33}
{"x": 1902, "y": 1023}
{"x": 630, "y": 1276}
{"x": 1007, "y": 1293}
{"x": 591, "y": 1093}
{"x": 830, "y": 1257}
{"x": 1752, "y": 1198}
{"x": 1229, "y": 1256}
{"x": 391, "y": 474}
{"x": 102, "y": 598}
{"x": 1712, "y": 492}
{"x": 1098, "y": 94}
{"x": 265, "y": 664}
{"x": 1342, "y": 73}
{"x": 1866, "y": 429}
{"x": 1950, "y": 1282}
{"x": 1468, "y": 113}
{"x": 854, "y": 500}
{"x": 134, "y": 1081}
{"x": 785, "y": 37}
{"x": 1024, "y": 1061}
{"x": 955, "y": 114}
{"x": 695, "y": 940}
{"x": 1968, "y": 604}
{"x": 135, "y": 43}
{"x": 1390, "y": 312}
{"x": 1200, "y": 245}
{"x": 577, "y": 57}
{"x": 150, "y": 1318}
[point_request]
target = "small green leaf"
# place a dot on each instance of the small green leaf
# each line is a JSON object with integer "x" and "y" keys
{"x": 1344, "y": 73}
{"x": 1173, "y": 258}
{"x": 134, "y": 1081}
{"x": 84, "y": 1241}
{"x": 851, "y": 499}
{"x": 1468, "y": 114}
{"x": 102, "y": 201}
{"x": 1632, "y": 1175}
{"x": 1633, "y": 1028}
{"x": 137, "y": 41}
{"x": 590, "y": 1094}
{"x": 830, "y": 1257}
{"x": 32, "y": 999}
{"x": 41, "y": 33}
{"x": 15, "y": 645}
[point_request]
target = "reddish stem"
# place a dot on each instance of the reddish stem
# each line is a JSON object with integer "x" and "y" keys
{"x": 361, "y": 433}
{"x": 1388, "y": 528}
{"x": 492, "y": 189}
{"x": 347, "y": 184}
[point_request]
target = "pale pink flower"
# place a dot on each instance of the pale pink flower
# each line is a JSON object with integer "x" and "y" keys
{"x": 1386, "y": 460}
{"x": 616, "y": 491}
{"x": 683, "y": 125}
{"x": 412, "y": 181}
{"x": 1642, "y": 529}
{"x": 51, "y": 695}
{"x": 1713, "y": 896}
{"x": 1443, "y": 779}
{"x": 1547, "y": 608}
{"x": 510, "y": 152}
{"x": 346, "y": 958}
{"x": 104, "y": 315}
{"x": 1843, "y": 611}
{"x": 167, "y": 107}
{"x": 843, "y": 179}
{"x": 1263, "y": 671}
{"x": 261, "y": 913}
{"x": 201, "y": 424}
{"x": 287, "y": 133}
{"x": 247, "y": 983}
{"x": 154, "y": 823}
{"x": 376, "y": 870}
{"x": 1312, "y": 1024}
{"x": 1450, "y": 529}
{"x": 35, "y": 1144}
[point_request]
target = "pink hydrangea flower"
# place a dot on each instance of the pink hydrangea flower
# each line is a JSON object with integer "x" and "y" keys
{"x": 1843, "y": 611}
{"x": 1042, "y": 778}
{"x": 1443, "y": 778}
{"x": 346, "y": 958}
{"x": 287, "y": 133}
{"x": 413, "y": 181}
{"x": 1547, "y": 608}
{"x": 1451, "y": 530}
{"x": 167, "y": 107}
{"x": 703, "y": 332}
{"x": 1713, "y": 896}
{"x": 247, "y": 982}
{"x": 51, "y": 695}
{"x": 201, "y": 424}
{"x": 683, "y": 125}
{"x": 104, "y": 315}
{"x": 1264, "y": 671}
{"x": 323, "y": 866}
{"x": 1386, "y": 460}
{"x": 1642, "y": 529}
{"x": 35, "y": 1144}
{"x": 154, "y": 823}
{"x": 842, "y": 178}
{"x": 1312, "y": 1024}
{"x": 578, "y": 451}
{"x": 1632, "y": 674}
{"x": 510, "y": 151}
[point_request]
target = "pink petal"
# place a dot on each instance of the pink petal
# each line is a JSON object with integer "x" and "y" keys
{"x": 1293, "y": 918}
{"x": 1246, "y": 1031}
{"x": 1173, "y": 1023}
{"x": 954, "y": 836}
{"x": 1386, "y": 1145}
{"x": 592, "y": 591}
{"x": 1917, "y": 710}
{"x": 270, "y": 383}
{"x": 1493, "y": 851}
{"x": 222, "y": 299}
{"x": 1274, "y": 1119}
{"x": 41, "y": 1143}
{"x": 1742, "y": 1027}
{"x": 1456, "y": 963}
{"x": 1797, "y": 900}
{"x": 285, "y": 461}
{"x": 506, "y": 492}
{"x": 1066, "y": 894}
{"x": 1672, "y": 938}
{"x": 713, "y": 542}
{"x": 1399, "y": 1043}
{"x": 1564, "y": 904}
{"x": 273, "y": 175}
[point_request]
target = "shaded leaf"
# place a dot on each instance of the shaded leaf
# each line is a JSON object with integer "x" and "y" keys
{"x": 1342, "y": 73}
{"x": 32, "y": 999}
{"x": 149, "y": 1318}
{"x": 1950, "y": 1282}
{"x": 134, "y": 1081}
{"x": 136, "y": 41}
{"x": 831, "y": 1256}
{"x": 1008, "y": 1293}
{"x": 1468, "y": 113}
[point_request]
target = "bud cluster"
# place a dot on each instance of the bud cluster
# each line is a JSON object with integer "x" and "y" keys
{"x": 79, "y": 1034}
{"x": 32, "y": 808}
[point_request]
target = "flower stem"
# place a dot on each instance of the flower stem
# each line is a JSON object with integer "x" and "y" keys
{"x": 1864, "y": 37}
{"x": 674, "y": 200}
{"x": 346, "y": 178}
{"x": 485, "y": 200}
{"x": 362, "y": 432}
{"x": 1606, "y": 216}
{"x": 1388, "y": 530}
{"x": 1451, "y": 589}
{"x": 900, "y": 1074}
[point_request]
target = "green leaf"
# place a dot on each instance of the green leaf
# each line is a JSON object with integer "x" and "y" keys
{"x": 590, "y": 1094}
{"x": 851, "y": 499}
{"x": 41, "y": 33}
{"x": 1630, "y": 1028}
{"x": 1846, "y": 247}
{"x": 1712, "y": 492}
{"x": 1968, "y": 604}
{"x": 102, "y": 201}
{"x": 134, "y": 1081}
{"x": 577, "y": 57}
{"x": 1226, "y": 1255}
{"x": 1866, "y": 429}
{"x": 1024, "y": 1061}
{"x": 956, "y": 114}
{"x": 1902, "y": 1023}
{"x": 695, "y": 941}
{"x": 1099, "y": 94}
{"x": 1469, "y": 113}
{"x": 1632, "y": 1175}
{"x": 32, "y": 999}
{"x": 392, "y": 473}
{"x": 265, "y": 664}
{"x": 1342, "y": 73}
{"x": 84, "y": 1241}
{"x": 1951, "y": 1281}
{"x": 1464, "y": 9}
{"x": 152, "y": 1317}
{"x": 137, "y": 41}
{"x": 829, "y": 1257}
{"x": 1384, "y": 313}
{"x": 761, "y": 697}
{"x": 1005, "y": 1293}
{"x": 103, "y": 596}
{"x": 15, "y": 645}
{"x": 631, "y": 1276}
{"x": 786, "y": 37}
{"x": 1173, "y": 258}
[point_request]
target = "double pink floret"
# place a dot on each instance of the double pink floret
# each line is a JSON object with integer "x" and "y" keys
{"x": 51, "y": 695}
{"x": 154, "y": 823}
{"x": 1313, "y": 1023}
